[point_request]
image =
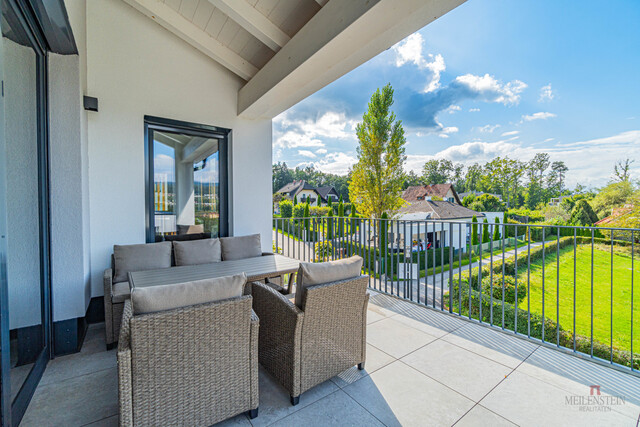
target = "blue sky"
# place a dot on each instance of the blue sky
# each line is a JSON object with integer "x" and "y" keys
{"x": 492, "y": 78}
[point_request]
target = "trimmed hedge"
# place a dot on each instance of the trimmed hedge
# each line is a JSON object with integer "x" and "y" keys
{"x": 564, "y": 338}
{"x": 418, "y": 257}
{"x": 509, "y": 288}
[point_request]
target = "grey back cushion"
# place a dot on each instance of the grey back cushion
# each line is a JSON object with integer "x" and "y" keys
{"x": 152, "y": 299}
{"x": 310, "y": 274}
{"x": 190, "y": 229}
{"x": 147, "y": 256}
{"x": 194, "y": 252}
{"x": 241, "y": 247}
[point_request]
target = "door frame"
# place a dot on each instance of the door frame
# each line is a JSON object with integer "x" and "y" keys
{"x": 151, "y": 124}
{"x": 12, "y": 411}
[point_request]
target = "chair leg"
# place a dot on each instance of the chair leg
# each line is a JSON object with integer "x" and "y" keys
{"x": 253, "y": 413}
{"x": 361, "y": 366}
{"x": 295, "y": 400}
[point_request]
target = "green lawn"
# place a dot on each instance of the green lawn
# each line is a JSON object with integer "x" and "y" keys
{"x": 602, "y": 291}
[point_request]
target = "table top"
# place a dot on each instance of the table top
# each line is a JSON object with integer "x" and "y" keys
{"x": 255, "y": 268}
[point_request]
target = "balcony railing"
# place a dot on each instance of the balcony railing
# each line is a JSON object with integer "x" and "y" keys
{"x": 567, "y": 287}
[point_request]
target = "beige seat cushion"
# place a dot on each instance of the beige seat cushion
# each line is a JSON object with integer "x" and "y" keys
{"x": 310, "y": 274}
{"x": 120, "y": 292}
{"x": 148, "y": 256}
{"x": 194, "y": 252}
{"x": 241, "y": 247}
{"x": 166, "y": 297}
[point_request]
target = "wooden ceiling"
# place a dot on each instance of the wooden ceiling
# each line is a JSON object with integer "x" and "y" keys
{"x": 243, "y": 35}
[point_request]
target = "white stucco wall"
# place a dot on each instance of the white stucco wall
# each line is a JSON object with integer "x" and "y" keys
{"x": 68, "y": 172}
{"x": 136, "y": 68}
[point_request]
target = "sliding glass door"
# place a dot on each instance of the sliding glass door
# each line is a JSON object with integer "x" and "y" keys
{"x": 24, "y": 222}
{"x": 187, "y": 179}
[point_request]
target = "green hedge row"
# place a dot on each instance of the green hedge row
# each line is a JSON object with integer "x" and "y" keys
{"x": 564, "y": 338}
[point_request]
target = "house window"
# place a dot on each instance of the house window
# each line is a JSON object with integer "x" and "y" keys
{"x": 186, "y": 179}
{"x": 420, "y": 198}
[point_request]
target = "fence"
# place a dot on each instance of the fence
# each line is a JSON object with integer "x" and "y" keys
{"x": 560, "y": 286}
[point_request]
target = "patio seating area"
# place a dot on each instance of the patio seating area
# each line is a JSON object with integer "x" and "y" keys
{"x": 422, "y": 367}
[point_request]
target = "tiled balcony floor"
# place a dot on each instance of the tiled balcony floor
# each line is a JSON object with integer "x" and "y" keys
{"x": 423, "y": 368}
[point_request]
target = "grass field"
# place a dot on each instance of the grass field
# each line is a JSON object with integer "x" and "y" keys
{"x": 602, "y": 293}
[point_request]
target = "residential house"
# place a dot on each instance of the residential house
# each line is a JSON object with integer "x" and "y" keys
{"x": 303, "y": 191}
{"x": 438, "y": 234}
{"x": 616, "y": 213}
{"x": 427, "y": 192}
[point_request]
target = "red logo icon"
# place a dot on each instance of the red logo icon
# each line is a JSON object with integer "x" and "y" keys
{"x": 594, "y": 389}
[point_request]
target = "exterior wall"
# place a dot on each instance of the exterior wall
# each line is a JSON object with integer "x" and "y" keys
{"x": 136, "y": 68}
{"x": 68, "y": 171}
{"x": 308, "y": 193}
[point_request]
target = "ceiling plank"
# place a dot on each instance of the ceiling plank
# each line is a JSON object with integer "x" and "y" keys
{"x": 187, "y": 31}
{"x": 322, "y": 2}
{"x": 254, "y": 22}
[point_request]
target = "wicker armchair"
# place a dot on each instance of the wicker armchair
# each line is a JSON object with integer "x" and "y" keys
{"x": 302, "y": 348}
{"x": 195, "y": 365}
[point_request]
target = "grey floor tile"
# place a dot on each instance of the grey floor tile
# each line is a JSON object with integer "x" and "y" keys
{"x": 395, "y": 338}
{"x": 495, "y": 345}
{"x": 95, "y": 339}
{"x": 77, "y": 364}
{"x": 238, "y": 420}
{"x": 432, "y": 323}
{"x": 376, "y": 359}
{"x": 336, "y": 409}
{"x": 466, "y": 372}
{"x": 399, "y": 395}
{"x": 74, "y": 402}
{"x": 575, "y": 376}
{"x": 528, "y": 401}
{"x": 105, "y": 422}
{"x": 275, "y": 402}
{"x": 375, "y": 313}
{"x": 481, "y": 416}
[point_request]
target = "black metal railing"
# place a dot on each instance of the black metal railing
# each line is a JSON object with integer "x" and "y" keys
{"x": 567, "y": 287}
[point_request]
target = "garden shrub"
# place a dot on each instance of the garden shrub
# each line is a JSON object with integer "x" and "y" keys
{"x": 286, "y": 209}
{"x": 323, "y": 251}
{"x": 298, "y": 210}
{"x": 553, "y": 333}
{"x": 509, "y": 288}
{"x": 319, "y": 211}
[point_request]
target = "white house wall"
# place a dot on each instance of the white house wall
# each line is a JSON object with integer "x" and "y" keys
{"x": 137, "y": 68}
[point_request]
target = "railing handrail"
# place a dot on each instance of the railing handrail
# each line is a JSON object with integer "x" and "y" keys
{"x": 446, "y": 221}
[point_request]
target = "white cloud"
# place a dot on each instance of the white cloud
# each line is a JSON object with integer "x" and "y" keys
{"x": 513, "y": 132}
{"x": 538, "y": 116}
{"x": 295, "y": 139}
{"x": 307, "y": 153}
{"x": 546, "y": 93}
{"x": 474, "y": 110}
{"x": 488, "y": 128}
{"x": 295, "y": 133}
{"x": 338, "y": 163}
{"x": 321, "y": 151}
{"x": 410, "y": 51}
{"x": 453, "y": 109}
{"x": 491, "y": 89}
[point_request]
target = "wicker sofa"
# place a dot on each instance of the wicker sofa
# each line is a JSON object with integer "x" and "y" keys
{"x": 194, "y": 365}
{"x": 154, "y": 256}
{"x": 304, "y": 346}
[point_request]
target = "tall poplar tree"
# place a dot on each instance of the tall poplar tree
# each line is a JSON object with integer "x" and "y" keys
{"x": 377, "y": 178}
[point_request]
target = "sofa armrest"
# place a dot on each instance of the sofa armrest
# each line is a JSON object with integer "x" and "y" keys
{"x": 107, "y": 280}
{"x": 280, "y": 332}
{"x": 125, "y": 388}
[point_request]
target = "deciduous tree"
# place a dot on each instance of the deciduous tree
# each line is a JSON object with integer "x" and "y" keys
{"x": 377, "y": 178}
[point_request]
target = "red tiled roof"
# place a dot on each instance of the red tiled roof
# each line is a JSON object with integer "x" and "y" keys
{"x": 615, "y": 214}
